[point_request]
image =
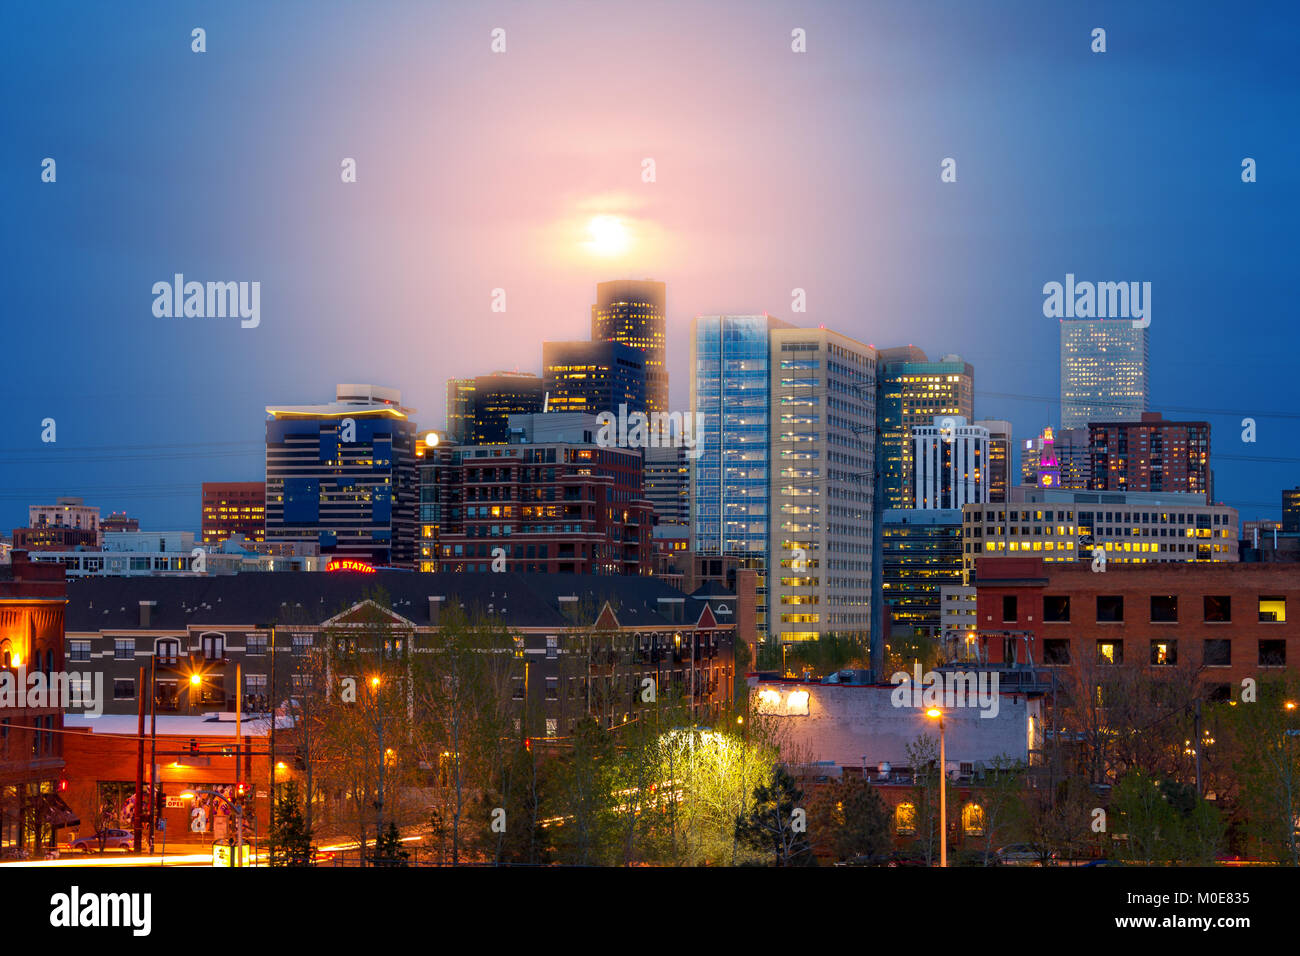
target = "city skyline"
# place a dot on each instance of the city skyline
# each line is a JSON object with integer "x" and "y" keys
{"x": 1062, "y": 168}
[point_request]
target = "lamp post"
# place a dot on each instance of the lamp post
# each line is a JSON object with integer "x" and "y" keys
{"x": 239, "y": 818}
{"x": 934, "y": 713}
{"x": 383, "y": 759}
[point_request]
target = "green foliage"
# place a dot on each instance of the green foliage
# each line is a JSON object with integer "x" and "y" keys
{"x": 291, "y": 836}
{"x": 773, "y": 823}
{"x": 388, "y": 848}
{"x": 850, "y": 820}
{"x": 1165, "y": 821}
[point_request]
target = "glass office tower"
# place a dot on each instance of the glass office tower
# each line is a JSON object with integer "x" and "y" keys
{"x": 730, "y": 386}
{"x": 1105, "y": 371}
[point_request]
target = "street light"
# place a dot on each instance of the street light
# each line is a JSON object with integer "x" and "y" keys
{"x": 239, "y": 818}
{"x": 934, "y": 713}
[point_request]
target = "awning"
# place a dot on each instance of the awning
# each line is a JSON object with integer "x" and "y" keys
{"x": 51, "y": 809}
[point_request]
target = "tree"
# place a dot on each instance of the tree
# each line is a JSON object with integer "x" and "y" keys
{"x": 462, "y": 720}
{"x": 291, "y": 835}
{"x": 1264, "y": 736}
{"x": 850, "y": 820}
{"x": 1165, "y": 821}
{"x": 774, "y": 824}
{"x": 388, "y": 848}
{"x": 1003, "y": 802}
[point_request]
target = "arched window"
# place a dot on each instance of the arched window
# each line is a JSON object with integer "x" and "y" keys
{"x": 167, "y": 650}
{"x": 972, "y": 819}
{"x": 905, "y": 819}
{"x": 6, "y": 654}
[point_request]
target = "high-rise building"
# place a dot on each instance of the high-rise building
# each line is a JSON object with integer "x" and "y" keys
{"x": 921, "y": 551}
{"x": 1151, "y": 455}
{"x": 822, "y": 465}
{"x": 593, "y": 377}
{"x": 668, "y": 485}
{"x": 731, "y": 389}
{"x": 1105, "y": 371}
{"x": 914, "y": 392}
{"x": 233, "y": 508}
{"x": 343, "y": 474}
{"x": 950, "y": 463}
{"x": 999, "y": 462}
{"x": 1291, "y": 509}
{"x": 496, "y": 398}
{"x": 544, "y": 503}
{"x": 460, "y": 409}
{"x": 631, "y": 311}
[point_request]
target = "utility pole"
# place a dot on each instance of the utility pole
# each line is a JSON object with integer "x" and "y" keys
{"x": 153, "y": 747}
{"x": 1196, "y": 743}
{"x": 270, "y": 832}
{"x": 139, "y": 762}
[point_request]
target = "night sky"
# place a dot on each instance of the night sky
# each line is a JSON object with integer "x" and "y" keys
{"x": 477, "y": 170}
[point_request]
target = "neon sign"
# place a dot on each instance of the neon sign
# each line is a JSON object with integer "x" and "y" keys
{"x": 349, "y": 564}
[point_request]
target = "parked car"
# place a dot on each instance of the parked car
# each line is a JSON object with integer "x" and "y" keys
{"x": 113, "y": 840}
{"x": 1023, "y": 853}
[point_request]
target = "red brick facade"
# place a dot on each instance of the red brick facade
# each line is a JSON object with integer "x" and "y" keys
{"x": 1228, "y": 621}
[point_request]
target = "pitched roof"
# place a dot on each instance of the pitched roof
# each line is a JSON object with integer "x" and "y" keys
{"x": 258, "y": 599}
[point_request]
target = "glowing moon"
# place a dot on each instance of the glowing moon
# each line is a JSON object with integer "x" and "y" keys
{"x": 607, "y": 236}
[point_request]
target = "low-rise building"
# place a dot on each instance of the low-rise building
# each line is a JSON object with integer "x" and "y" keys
{"x": 1226, "y": 621}
{"x": 1061, "y": 525}
{"x": 591, "y": 639}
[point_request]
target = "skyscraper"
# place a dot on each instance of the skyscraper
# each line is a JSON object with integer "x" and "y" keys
{"x": 1105, "y": 371}
{"x": 593, "y": 377}
{"x": 914, "y": 391}
{"x": 786, "y": 477}
{"x": 460, "y": 409}
{"x": 730, "y": 387}
{"x": 496, "y": 398}
{"x": 823, "y": 413}
{"x": 631, "y": 311}
{"x": 950, "y": 466}
{"x": 342, "y": 475}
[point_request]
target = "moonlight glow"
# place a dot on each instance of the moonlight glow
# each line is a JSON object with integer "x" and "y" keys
{"x": 606, "y": 236}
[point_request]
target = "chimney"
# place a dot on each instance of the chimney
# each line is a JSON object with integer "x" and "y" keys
{"x": 146, "y": 612}
{"x": 435, "y": 608}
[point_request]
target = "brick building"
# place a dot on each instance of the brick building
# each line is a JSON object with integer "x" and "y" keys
{"x": 32, "y": 599}
{"x": 195, "y": 635}
{"x": 566, "y": 508}
{"x": 1227, "y": 621}
{"x": 192, "y": 753}
{"x": 233, "y": 509}
{"x": 1150, "y": 455}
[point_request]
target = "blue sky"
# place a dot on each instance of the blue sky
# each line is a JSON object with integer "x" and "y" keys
{"x": 476, "y": 171}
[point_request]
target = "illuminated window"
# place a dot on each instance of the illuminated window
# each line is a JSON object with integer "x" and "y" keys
{"x": 1110, "y": 652}
{"x": 972, "y": 819}
{"x": 905, "y": 819}
{"x": 1272, "y": 609}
